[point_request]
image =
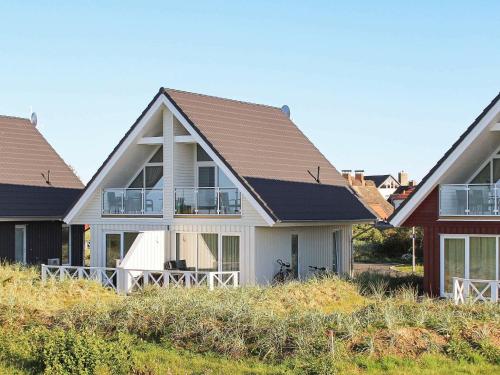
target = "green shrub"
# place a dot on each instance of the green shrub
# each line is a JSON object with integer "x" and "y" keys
{"x": 60, "y": 351}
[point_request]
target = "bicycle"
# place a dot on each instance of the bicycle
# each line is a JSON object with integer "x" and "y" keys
{"x": 319, "y": 271}
{"x": 284, "y": 274}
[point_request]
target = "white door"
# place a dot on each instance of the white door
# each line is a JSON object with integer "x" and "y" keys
{"x": 20, "y": 244}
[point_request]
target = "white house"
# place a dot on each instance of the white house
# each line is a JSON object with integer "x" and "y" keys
{"x": 222, "y": 186}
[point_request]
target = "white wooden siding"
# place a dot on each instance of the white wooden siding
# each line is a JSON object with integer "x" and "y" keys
{"x": 184, "y": 172}
{"x": 315, "y": 249}
{"x": 147, "y": 252}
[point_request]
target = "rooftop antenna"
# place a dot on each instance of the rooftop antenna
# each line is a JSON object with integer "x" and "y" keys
{"x": 46, "y": 178}
{"x": 33, "y": 117}
{"x": 316, "y": 178}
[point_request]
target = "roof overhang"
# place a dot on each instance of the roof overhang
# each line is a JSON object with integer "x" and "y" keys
{"x": 30, "y": 218}
{"x": 486, "y": 122}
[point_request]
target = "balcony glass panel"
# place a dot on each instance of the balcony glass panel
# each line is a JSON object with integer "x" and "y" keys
{"x": 207, "y": 201}
{"x": 468, "y": 200}
{"x": 118, "y": 201}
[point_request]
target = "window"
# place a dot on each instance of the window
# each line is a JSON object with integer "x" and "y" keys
{"x": 230, "y": 253}
{"x": 20, "y": 243}
{"x": 209, "y": 175}
{"x": 490, "y": 173}
{"x": 454, "y": 261}
{"x": 151, "y": 174}
{"x": 117, "y": 246}
{"x": 295, "y": 255}
{"x": 201, "y": 154}
{"x": 66, "y": 245}
{"x": 336, "y": 238}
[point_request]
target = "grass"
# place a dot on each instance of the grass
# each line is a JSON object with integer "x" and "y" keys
{"x": 373, "y": 324}
{"x": 419, "y": 269}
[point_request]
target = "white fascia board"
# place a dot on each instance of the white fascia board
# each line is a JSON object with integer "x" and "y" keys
{"x": 184, "y": 139}
{"x": 89, "y": 192}
{"x": 217, "y": 160}
{"x": 150, "y": 141}
{"x": 424, "y": 190}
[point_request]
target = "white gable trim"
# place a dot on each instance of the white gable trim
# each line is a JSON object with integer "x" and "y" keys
{"x": 256, "y": 205}
{"x": 433, "y": 180}
{"x": 161, "y": 100}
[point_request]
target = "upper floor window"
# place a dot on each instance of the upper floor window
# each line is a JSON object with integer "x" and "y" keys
{"x": 151, "y": 174}
{"x": 489, "y": 173}
{"x": 208, "y": 173}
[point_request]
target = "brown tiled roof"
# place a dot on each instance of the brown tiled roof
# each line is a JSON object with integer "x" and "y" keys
{"x": 372, "y": 197}
{"x": 25, "y": 155}
{"x": 256, "y": 140}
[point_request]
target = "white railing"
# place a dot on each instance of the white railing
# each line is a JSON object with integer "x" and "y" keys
{"x": 133, "y": 280}
{"x": 207, "y": 201}
{"x": 131, "y": 201}
{"x": 474, "y": 290}
{"x": 105, "y": 276}
{"x": 469, "y": 200}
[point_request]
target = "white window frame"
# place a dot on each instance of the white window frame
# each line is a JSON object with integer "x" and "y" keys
{"x": 69, "y": 245}
{"x": 143, "y": 169}
{"x": 493, "y": 155}
{"x": 465, "y": 237}
{"x": 122, "y": 242}
{"x": 219, "y": 245}
{"x": 25, "y": 250}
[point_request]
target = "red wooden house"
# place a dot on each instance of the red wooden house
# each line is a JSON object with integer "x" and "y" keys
{"x": 458, "y": 206}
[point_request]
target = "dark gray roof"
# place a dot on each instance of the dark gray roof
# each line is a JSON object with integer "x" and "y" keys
{"x": 35, "y": 201}
{"x": 302, "y": 201}
{"x": 378, "y": 179}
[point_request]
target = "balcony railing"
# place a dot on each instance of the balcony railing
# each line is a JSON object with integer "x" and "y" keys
{"x": 469, "y": 200}
{"x": 207, "y": 201}
{"x": 120, "y": 201}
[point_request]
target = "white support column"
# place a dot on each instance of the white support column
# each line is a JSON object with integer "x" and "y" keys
{"x": 168, "y": 164}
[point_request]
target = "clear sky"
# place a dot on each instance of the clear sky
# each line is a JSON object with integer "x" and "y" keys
{"x": 376, "y": 85}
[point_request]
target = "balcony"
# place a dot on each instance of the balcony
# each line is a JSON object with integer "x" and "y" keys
{"x": 132, "y": 202}
{"x": 207, "y": 201}
{"x": 469, "y": 200}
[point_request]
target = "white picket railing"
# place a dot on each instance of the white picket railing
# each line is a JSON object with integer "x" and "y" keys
{"x": 132, "y": 280}
{"x": 474, "y": 290}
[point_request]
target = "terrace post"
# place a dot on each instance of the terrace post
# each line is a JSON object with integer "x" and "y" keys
{"x": 494, "y": 290}
{"x": 121, "y": 280}
{"x": 44, "y": 272}
{"x": 211, "y": 280}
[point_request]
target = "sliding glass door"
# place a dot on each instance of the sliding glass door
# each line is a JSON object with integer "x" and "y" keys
{"x": 469, "y": 257}
{"x": 454, "y": 261}
{"x": 208, "y": 252}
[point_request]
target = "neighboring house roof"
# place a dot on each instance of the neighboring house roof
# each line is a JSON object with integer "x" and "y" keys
{"x": 425, "y": 186}
{"x": 257, "y": 142}
{"x": 306, "y": 201}
{"x": 24, "y": 156}
{"x": 372, "y": 197}
{"x": 379, "y": 179}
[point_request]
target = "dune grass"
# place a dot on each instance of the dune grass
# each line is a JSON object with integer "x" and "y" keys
{"x": 373, "y": 324}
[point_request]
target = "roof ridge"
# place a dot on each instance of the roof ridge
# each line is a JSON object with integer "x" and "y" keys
{"x": 221, "y": 98}
{"x": 15, "y": 117}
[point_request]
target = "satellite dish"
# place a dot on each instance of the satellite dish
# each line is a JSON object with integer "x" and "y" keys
{"x": 34, "y": 119}
{"x": 286, "y": 110}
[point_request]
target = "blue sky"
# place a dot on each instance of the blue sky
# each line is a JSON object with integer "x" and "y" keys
{"x": 379, "y": 86}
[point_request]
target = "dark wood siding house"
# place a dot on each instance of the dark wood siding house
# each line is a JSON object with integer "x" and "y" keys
{"x": 36, "y": 189}
{"x": 458, "y": 206}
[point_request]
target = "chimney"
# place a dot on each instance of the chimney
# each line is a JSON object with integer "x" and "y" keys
{"x": 412, "y": 183}
{"x": 359, "y": 175}
{"x": 403, "y": 178}
{"x": 346, "y": 173}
